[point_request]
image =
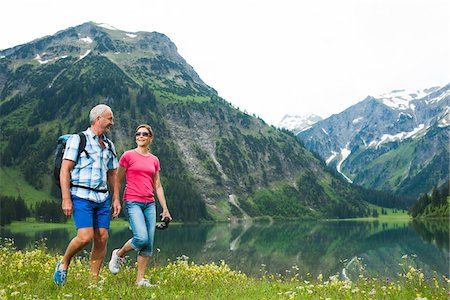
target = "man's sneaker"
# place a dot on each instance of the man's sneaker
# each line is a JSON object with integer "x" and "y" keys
{"x": 146, "y": 283}
{"x": 114, "y": 263}
{"x": 60, "y": 276}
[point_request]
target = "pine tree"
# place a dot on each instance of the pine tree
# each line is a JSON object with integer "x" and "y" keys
{"x": 435, "y": 197}
{"x": 375, "y": 213}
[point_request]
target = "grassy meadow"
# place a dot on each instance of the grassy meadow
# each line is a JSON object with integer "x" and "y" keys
{"x": 28, "y": 274}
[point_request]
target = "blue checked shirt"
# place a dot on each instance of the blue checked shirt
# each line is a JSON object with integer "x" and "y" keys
{"x": 90, "y": 171}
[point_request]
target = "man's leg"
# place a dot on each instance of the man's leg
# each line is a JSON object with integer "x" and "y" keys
{"x": 98, "y": 251}
{"x": 82, "y": 215}
{"x": 84, "y": 236}
{"x": 101, "y": 220}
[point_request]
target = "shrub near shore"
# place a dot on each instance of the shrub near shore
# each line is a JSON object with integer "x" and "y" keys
{"x": 28, "y": 274}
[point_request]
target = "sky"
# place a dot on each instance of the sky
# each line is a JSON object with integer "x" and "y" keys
{"x": 270, "y": 58}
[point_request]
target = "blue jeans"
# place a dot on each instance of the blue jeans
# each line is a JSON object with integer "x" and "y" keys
{"x": 142, "y": 219}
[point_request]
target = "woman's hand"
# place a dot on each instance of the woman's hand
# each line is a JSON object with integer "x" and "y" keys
{"x": 166, "y": 214}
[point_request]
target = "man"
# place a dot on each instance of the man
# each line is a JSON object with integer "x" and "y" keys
{"x": 84, "y": 190}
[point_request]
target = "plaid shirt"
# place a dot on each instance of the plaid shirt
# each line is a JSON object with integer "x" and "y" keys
{"x": 92, "y": 171}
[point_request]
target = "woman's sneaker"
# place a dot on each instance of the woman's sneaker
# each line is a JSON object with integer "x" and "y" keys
{"x": 60, "y": 276}
{"x": 114, "y": 263}
{"x": 145, "y": 282}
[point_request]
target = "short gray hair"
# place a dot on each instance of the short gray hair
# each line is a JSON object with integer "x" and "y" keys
{"x": 98, "y": 111}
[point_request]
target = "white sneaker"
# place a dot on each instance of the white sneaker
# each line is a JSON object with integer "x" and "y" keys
{"x": 145, "y": 282}
{"x": 114, "y": 263}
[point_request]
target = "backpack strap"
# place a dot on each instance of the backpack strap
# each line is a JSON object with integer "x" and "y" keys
{"x": 82, "y": 146}
{"x": 109, "y": 145}
{"x": 88, "y": 188}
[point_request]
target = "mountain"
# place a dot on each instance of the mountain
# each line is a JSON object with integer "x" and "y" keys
{"x": 297, "y": 124}
{"x": 217, "y": 162}
{"x": 396, "y": 142}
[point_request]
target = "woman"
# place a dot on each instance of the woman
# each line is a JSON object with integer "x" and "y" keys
{"x": 141, "y": 168}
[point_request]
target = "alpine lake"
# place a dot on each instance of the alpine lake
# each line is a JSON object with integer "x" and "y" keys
{"x": 306, "y": 248}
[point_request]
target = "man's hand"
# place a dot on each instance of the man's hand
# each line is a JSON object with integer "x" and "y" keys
{"x": 116, "y": 208}
{"x": 67, "y": 207}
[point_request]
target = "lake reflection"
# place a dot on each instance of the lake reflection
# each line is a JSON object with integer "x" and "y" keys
{"x": 289, "y": 248}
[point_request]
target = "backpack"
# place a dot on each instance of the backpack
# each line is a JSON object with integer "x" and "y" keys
{"x": 59, "y": 153}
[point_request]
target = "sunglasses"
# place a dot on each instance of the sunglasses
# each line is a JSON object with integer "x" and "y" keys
{"x": 143, "y": 133}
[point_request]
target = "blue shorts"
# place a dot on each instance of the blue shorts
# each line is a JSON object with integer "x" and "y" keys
{"x": 91, "y": 214}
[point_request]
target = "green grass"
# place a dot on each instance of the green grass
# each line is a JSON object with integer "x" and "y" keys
{"x": 16, "y": 118}
{"x": 397, "y": 161}
{"x": 393, "y": 216}
{"x": 220, "y": 210}
{"x": 128, "y": 58}
{"x": 28, "y": 274}
{"x": 31, "y": 226}
{"x": 392, "y": 220}
{"x": 168, "y": 97}
{"x": 13, "y": 184}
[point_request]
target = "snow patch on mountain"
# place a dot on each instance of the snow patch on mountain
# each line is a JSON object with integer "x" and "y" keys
{"x": 107, "y": 26}
{"x": 42, "y": 62}
{"x": 131, "y": 35}
{"x": 85, "y": 54}
{"x": 345, "y": 152}
{"x": 39, "y": 59}
{"x": 364, "y": 142}
{"x": 403, "y": 115}
{"x": 86, "y": 40}
{"x": 333, "y": 156}
{"x": 386, "y": 138}
{"x": 444, "y": 119}
{"x": 297, "y": 123}
{"x": 357, "y": 120}
{"x": 400, "y": 99}
{"x": 438, "y": 98}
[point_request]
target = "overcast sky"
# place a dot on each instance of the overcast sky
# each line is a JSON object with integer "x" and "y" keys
{"x": 273, "y": 57}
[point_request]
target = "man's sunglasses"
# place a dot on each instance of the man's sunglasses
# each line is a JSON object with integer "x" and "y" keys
{"x": 143, "y": 133}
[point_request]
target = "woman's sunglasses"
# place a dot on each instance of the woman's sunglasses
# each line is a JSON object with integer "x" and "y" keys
{"x": 142, "y": 133}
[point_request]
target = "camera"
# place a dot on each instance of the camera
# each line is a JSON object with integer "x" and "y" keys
{"x": 164, "y": 223}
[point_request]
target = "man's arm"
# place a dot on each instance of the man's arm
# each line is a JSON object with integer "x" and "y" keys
{"x": 114, "y": 188}
{"x": 64, "y": 180}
